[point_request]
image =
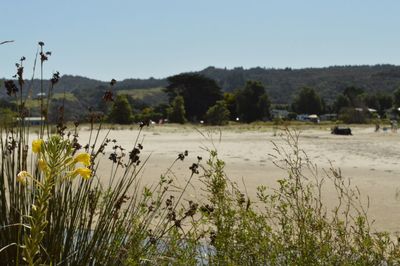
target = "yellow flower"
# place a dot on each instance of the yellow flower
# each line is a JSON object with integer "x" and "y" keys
{"x": 42, "y": 165}
{"x": 82, "y": 158}
{"x": 37, "y": 145}
{"x": 22, "y": 177}
{"x": 84, "y": 172}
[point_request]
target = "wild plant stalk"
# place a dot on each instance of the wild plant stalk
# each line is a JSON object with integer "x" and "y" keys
{"x": 41, "y": 132}
{"x": 69, "y": 222}
{"x": 67, "y": 204}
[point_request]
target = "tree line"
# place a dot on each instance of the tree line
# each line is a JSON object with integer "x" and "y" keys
{"x": 194, "y": 97}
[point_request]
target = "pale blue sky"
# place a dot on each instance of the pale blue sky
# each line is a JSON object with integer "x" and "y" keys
{"x": 106, "y": 39}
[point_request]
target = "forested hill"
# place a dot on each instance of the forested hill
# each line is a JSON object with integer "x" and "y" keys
{"x": 69, "y": 83}
{"x": 281, "y": 84}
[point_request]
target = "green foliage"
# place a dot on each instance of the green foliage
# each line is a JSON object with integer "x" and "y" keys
{"x": 7, "y": 118}
{"x": 307, "y": 102}
{"x": 162, "y": 109}
{"x": 396, "y": 98}
{"x": 350, "y": 115}
{"x": 4, "y": 104}
{"x": 371, "y": 101}
{"x": 342, "y": 101}
{"x": 218, "y": 114}
{"x": 121, "y": 112}
{"x": 288, "y": 225}
{"x": 354, "y": 95}
{"x": 230, "y": 101}
{"x": 148, "y": 114}
{"x": 378, "y": 101}
{"x": 281, "y": 84}
{"x": 385, "y": 102}
{"x": 252, "y": 102}
{"x": 199, "y": 93}
{"x": 148, "y": 96}
{"x": 177, "y": 112}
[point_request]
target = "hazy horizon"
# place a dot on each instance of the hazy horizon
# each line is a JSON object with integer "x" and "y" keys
{"x": 199, "y": 70}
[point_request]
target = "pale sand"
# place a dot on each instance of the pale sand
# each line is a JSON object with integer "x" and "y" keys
{"x": 371, "y": 160}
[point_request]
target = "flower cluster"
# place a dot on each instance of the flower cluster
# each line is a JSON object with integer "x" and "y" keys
{"x": 79, "y": 163}
{"x": 84, "y": 172}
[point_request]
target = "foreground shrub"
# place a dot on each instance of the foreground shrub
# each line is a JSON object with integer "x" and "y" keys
{"x": 52, "y": 217}
{"x": 290, "y": 225}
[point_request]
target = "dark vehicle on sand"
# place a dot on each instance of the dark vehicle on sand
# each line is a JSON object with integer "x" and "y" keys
{"x": 341, "y": 131}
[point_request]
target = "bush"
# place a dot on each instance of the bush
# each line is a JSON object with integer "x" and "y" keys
{"x": 289, "y": 225}
{"x": 351, "y": 115}
{"x": 7, "y": 118}
{"x": 253, "y": 102}
{"x": 148, "y": 114}
{"x": 218, "y": 114}
{"x": 177, "y": 113}
{"x": 121, "y": 112}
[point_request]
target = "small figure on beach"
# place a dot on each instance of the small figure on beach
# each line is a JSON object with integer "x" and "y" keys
{"x": 393, "y": 126}
{"x": 377, "y": 127}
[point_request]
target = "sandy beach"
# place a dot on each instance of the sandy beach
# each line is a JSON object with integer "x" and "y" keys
{"x": 371, "y": 160}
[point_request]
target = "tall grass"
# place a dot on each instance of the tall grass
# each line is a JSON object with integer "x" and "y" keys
{"x": 54, "y": 214}
{"x": 53, "y": 218}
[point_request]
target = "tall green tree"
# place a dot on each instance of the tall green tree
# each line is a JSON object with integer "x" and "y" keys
{"x": 121, "y": 111}
{"x": 341, "y": 101}
{"x": 253, "y": 102}
{"x": 307, "y": 102}
{"x": 379, "y": 101}
{"x": 355, "y": 96}
{"x": 371, "y": 101}
{"x": 176, "y": 113}
{"x": 385, "y": 101}
{"x": 230, "y": 99}
{"x": 199, "y": 93}
{"x": 218, "y": 114}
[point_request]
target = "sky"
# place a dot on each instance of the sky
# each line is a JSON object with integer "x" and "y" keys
{"x": 104, "y": 39}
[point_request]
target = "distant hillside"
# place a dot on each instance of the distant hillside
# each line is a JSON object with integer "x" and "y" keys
{"x": 71, "y": 83}
{"x": 281, "y": 84}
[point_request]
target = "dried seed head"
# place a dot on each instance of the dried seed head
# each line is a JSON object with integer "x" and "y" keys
{"x": 11, "y": 88}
